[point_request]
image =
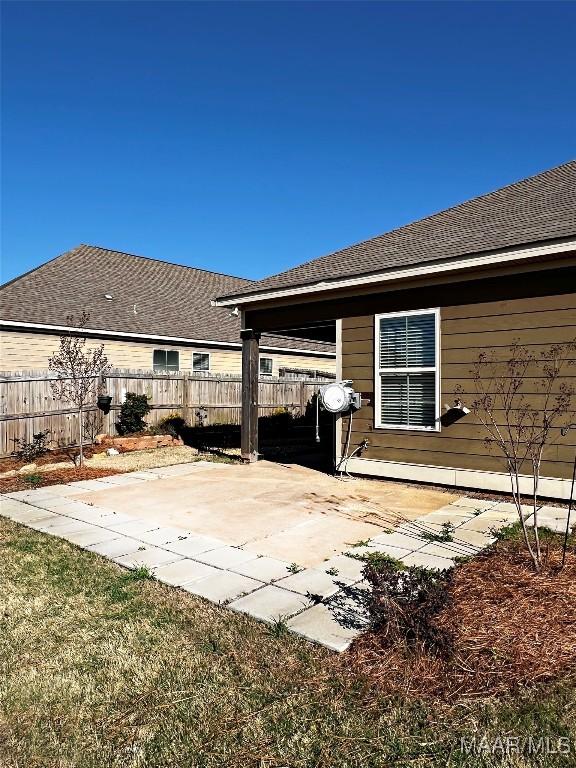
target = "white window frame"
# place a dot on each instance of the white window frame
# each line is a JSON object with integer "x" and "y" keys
{"x": 378, "y": 371}
{"x": 265, "y": 357}
{"x": 201, "y": 370}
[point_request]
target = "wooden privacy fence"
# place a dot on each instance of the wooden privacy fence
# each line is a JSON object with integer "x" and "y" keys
{"x": 27, "y": 405}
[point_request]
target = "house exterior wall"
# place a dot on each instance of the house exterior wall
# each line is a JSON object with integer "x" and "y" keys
{"x": 31, "y": 351}
{"x": 457, "y": 455}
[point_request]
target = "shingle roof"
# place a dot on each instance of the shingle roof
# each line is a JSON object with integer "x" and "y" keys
{"x": 148, "y": 296}
{"x": 538, "y": 208}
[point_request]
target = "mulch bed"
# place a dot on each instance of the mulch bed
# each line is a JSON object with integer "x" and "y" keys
{"x": 51, "y": 457}
{"x": 513, "y": 629}
{"x": 53, "y": 477}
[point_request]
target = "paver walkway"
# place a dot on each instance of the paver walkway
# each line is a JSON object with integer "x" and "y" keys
{"x": 309, "y": 601}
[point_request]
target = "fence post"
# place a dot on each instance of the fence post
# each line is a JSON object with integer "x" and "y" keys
{"x": 186, "y": 397}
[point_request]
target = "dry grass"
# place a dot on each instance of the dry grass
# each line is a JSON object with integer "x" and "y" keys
{"x": 132, "y": 461}
{"x": 103, "y": 667}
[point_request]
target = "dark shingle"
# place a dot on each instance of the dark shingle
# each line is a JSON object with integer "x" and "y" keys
{"x": 148, "y": 296}
{"x": 539, "y": 208}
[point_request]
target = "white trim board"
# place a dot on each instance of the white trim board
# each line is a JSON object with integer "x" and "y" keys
{"x": 18, "y": 325}
{"x": 487, "y": 258}
{"x": 551, "y": 487}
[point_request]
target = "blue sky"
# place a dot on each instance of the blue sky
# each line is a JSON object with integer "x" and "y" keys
{"x": 247, "y": 138}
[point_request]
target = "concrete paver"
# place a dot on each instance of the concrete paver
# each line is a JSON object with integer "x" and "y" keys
{"x": 183, "y": 571}
{"x": 160, "y": 536}
{"x": 318, "y": 624}
{"x": 134, "y": 527}
{"x": 428, "y": 561}
{"x": 264, "y": 569}
{"x": 271, "y": 603}
{"x": 150, "y": 557}
{"x": 225, "y": 557}
{"x": 313, "y": 581}
{"x": 192, "y": 545}
{"x": 25, "y": 513}
{"x": 347, "y": 568}
{"x": 401, "y": 540}
{"x": 222, "y": 586}
{"x": 122, "y": 545}
{"x": 92, "y": 535}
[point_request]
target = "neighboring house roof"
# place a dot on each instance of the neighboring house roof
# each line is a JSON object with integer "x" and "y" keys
{"x": 149, "y": 297}
{"x": 539, "y": 208}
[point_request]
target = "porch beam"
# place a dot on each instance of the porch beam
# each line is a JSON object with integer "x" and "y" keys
{"x": 250, "y": 369}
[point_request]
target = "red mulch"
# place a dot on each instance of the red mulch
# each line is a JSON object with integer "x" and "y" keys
{"x": 52, "y": 457}
{"x": 514, "y": 629}
{"x": 52, "y": 477}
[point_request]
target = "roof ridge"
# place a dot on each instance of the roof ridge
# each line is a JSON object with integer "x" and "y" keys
{"x": 40, "y": 266}
{"x": 158, "y": 261}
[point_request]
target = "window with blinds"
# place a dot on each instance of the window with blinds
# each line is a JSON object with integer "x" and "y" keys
{"x": 201, "y": 361}
{"x": 407, "y": 370}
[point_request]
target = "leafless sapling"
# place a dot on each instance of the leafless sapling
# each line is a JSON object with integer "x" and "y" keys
{"x": 79, "y": 371}
{"x": 522, "y": 401}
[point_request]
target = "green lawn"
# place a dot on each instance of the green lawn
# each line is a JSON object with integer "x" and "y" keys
{"x": 102, "y": 667}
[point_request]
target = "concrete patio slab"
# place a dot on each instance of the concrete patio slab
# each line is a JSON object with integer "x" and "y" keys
{"x": 48, "y": 520}
{"x": 222, "y": 586}
{"x": 313, "y": 581}
{"x": 192, "y": 545}
{"x": 384, "y": 549}
{"x": 134, "y": 527}
{"x": 264, "y": 569}
{"x": 160, "y": 536}
{"x": 284, "y": 512}
{"x": 73, "y": 526}
{"x": 183, "y": 571}
{"x": 480, "y": 505}
{"x": 93, "y": 535}
{"x": 401, "y": 540}
{"x": 475, "y": 539}
{"x": 428, "y": 561}
{"x": 126, "y": 479}
{"x": 319, "y": 625}
{"x": 271, "y": 604}
{"x": 489, "y": 521}
{"x": 448, "y": 550}
{"x": 225, "y": 557}
{"x": 23, "y": 513}
{"x": 348, "y": 568}
{"x": 122, "y": 545}
{"x": 89, "y": 485}
{"x": 151, "y": 558}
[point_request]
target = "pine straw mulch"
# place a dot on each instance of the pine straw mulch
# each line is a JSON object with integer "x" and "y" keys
{"x": 513, "y": 629}
{"x": 53, "y": 477}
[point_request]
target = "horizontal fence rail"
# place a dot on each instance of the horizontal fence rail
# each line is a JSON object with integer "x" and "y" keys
{"x": 28, "y": 406}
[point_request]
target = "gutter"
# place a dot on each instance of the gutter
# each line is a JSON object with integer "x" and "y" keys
{"x": 17, "y": 324}
{"x": 471, "y": 262}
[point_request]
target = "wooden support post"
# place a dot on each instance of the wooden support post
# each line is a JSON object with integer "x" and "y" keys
{"x": 250, "y": 370}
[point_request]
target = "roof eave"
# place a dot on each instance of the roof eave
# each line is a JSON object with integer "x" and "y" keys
{"x": 483, "y": 259}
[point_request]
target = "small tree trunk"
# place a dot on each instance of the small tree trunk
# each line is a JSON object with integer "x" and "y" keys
{"x": 515, "y": 483}
{"x": 536, "y": 475}
{"x": 81, "y": 438}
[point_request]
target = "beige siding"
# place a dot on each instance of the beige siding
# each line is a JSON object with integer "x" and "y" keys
{"x": 466, "y": 331}
{"x": 26, "y": 351}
